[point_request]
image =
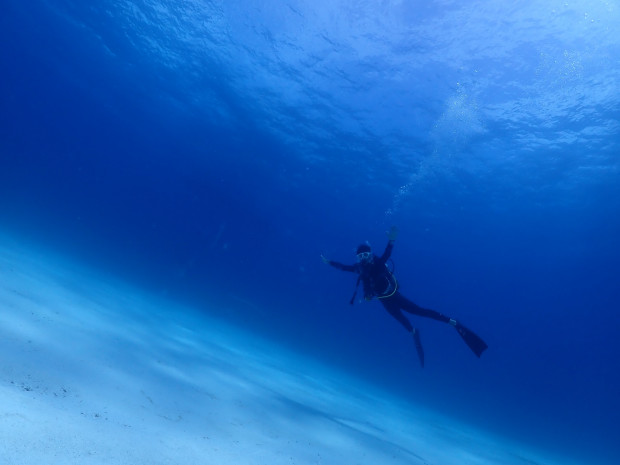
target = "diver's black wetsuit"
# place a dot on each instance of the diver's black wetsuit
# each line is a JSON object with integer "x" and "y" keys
{"x": 379, "y": 282}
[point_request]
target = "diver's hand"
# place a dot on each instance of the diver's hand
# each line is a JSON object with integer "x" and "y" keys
{"x": 325, "y": 260}
{"x": 392, "y": 233}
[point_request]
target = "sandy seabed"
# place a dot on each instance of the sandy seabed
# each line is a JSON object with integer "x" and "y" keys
{"x": 96, "y": 372}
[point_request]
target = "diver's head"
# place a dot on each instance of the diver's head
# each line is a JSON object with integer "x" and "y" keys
{"x": 363, "y": 253}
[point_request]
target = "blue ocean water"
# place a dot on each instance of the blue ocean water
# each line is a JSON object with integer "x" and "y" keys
{"x": 213, "y": 150}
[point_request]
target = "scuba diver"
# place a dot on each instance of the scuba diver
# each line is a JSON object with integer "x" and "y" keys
{"x": 379, "y": 281}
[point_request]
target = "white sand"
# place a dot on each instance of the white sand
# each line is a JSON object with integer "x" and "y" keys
{"x": 94, "y": 371}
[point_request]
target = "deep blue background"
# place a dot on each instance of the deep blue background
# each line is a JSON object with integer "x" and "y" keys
{"x": 110, "y": 157}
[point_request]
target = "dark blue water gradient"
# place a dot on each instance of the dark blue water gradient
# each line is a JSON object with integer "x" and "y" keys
{"x": 173, "y": 170}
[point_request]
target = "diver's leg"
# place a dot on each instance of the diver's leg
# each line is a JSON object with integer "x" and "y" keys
{"x": 475, "y": 343}
{"x": 393, "y": 309}
{"x": 408, "y": 306}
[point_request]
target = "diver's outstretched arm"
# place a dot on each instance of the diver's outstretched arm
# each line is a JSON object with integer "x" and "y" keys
{"x": 338, "y": 265}
{"x": 392, "y": 234}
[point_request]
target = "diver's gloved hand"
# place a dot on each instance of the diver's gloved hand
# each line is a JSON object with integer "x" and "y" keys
{"x": 392, "y": 233}
{"x": 325, "y": 260}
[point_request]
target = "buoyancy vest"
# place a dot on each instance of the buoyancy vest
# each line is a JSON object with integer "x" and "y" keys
{"x": 379, "y": 281}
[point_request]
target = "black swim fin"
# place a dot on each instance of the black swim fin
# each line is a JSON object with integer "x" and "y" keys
{"x": 418, "y": 345}
{"x": 475, "y": 343}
